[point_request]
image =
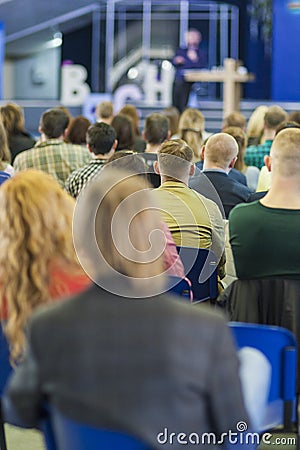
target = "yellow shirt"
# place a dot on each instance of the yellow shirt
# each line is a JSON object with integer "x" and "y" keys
{"x": 193, "y": 220}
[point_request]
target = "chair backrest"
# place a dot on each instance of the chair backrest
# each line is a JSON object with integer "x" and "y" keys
{"x": 3, "y": 176}
{"x": 5, "y": 367}
{"x": 280, "y": 348}
{"x": 201, "y": 268}
{"x": 62, "y": 433}
{"x": 180, "y": 286}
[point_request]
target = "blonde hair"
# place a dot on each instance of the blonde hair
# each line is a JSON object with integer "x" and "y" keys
{"x": 5, "y": 156}
{"x": 117, "y": 209}
{"x": 35, "y": 232}
{"x": 190, "y": 129}
{"x": 285, "y": 153}
{"x": 256, "y": 123}
{"x": 105, "y": 110}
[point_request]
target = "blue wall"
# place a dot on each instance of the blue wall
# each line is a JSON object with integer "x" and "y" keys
{"x": 286, "y": 57}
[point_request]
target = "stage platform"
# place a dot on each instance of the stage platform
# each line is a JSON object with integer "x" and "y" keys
{"x": 212, "y": 110}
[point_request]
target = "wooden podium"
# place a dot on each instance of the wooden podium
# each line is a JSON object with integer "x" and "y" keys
{"x": 231, "y": 79}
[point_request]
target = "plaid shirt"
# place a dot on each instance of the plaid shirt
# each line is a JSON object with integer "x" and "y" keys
{"x": 79, "y": 177}
{"x": 255, "y": 154}
{"x": 54, "y": 157}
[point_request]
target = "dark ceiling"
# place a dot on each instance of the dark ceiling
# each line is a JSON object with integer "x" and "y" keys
{"x": 30, "y": 23}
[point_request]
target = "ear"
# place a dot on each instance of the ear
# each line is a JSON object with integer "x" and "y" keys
{"x": 156, "y": 167}
{"x": 202, "y": 151}
{"x": 169, "y": 135}
{"x": 115, "y": 145}
{"x": 40, "y": 129}
{"x": 65, "y": 133}
{"x": 192, "y": 170}
{"x": 268, "y": 162}
{"x": 143, "y": 136}
{"x": 89, "y": 148}
{"x": 232, "y": 163}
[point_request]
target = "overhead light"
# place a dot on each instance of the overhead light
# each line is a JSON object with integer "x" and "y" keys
{"x": 56, "y": 41}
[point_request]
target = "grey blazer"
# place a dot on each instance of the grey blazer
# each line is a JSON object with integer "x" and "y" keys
{"x": 142, "y": 366}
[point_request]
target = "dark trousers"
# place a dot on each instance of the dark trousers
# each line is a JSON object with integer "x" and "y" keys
{"x": 181, "y": 93}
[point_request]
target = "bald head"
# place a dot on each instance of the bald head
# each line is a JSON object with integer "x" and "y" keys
{"x": 285, "y": 153}
{"x": 221, "y": 151}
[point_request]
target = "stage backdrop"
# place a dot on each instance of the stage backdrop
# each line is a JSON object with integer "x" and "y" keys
{"x": 1, "y": 56}
{"x": 285, "y": 53}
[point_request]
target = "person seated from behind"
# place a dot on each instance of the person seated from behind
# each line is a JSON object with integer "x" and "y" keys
{"x": 220, "y": 154}
{"x": 105, "y": 112}
{"x": 235, "y": 119}
{"x": 76, "y": 133}
{"x": 145, "y": 361}
{"x": 255, "y": 153}
{"x": 172, "y": 115}
{"x": 38, "y": 263}
{"x": 134, "y": 163}
{"x": 124, "y": 128}
{"x": 132, "y": 113}
{"x": 265, "y": 175}
{"x": 19, "y": 139}
{"x": 5, "y": 156}
{"x": 194, "y": 220}
{"x": 191, "y": 129}
{"x": 51, "y": 154}
{"x": 265, "y": 235}
{"x": 255, "y": 125}
{"x": 156, "y": 131}
{"x": 101, "y": 142}
{"x": 251, "y": 172}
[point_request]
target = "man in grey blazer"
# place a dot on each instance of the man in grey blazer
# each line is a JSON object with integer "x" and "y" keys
{"x": 124, "y": 356}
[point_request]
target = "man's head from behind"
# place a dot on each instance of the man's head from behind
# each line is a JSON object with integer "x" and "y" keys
{"x": 101, "y": 138}
{"x": 274, "y": 116}
{"x": 54, "y": 123}
{"x": 235, "y": 119}
{"x": 284, "y": 157}
{"x": 105, "y": 111}
{"x": 156, "y": 129}
{"x": 175, "y": 161}
{"x": 220, "y": 152}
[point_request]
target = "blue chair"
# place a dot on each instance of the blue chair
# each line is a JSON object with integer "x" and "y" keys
{"x": 62, "y": 433}
{"x": 4, "y": 176}
{"x": 201, "y": 268}
{"x": 280, "y": 348}
{"x": 180, "y": 286}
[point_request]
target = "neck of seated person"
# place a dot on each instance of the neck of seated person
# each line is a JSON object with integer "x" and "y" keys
{"x": 284, "y": 193}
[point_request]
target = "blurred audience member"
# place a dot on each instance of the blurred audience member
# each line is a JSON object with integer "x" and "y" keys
{"x": 190, "y": 129}
{"x": 173, "y": 116}
{"x": 255, "y": 126}
{"x": 101, "y": 141}
{"x": 255, "y": 154}
{"x": 51, "y": 154}
{"x": 12, "y": 118}
{"x": 156, "y": 131}
{"x": 77, "y": 129}
{"x": 123, "y": 126}
{"x": 251, "y": 172}
{"x": 5, "y": 157}
{"x": 105, "y": 112}
{"x": 294, "y": 116}
{"x": 123, "y": 354}
{"x": 235, "y": 119}
{"x": 38, "y": 262}
{"x": 131, "y": 112}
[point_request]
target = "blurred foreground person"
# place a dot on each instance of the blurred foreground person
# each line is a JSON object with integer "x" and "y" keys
{"x": 38, "y": 263}
{"x": 123, "y": 355}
